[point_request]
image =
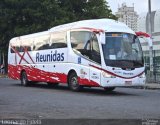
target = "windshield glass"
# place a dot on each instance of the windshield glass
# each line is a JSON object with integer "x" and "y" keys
{"x": 122, "y": 50}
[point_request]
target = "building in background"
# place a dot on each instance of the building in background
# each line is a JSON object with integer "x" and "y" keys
{"x": 128, "y": 16}
{"x": 142, "y": 25}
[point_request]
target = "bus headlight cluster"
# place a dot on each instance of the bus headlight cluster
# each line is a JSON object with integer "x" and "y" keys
{"x": 107, "y": 75}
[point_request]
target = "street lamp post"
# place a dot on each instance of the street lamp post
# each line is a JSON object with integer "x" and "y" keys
{"x": 150, "y": 32}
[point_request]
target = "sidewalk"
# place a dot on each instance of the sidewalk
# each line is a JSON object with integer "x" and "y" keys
{"x": 152, "y": 86}
{"x": 3, "y": 76}
{"x": 146, "y": 86}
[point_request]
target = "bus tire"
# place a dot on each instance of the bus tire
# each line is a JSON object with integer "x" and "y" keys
{"x": 109, "y": 89}
{"x": 73, "y": 82}
{"x": 24, "y": 79}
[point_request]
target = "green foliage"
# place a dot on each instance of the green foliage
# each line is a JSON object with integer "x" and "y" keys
{"x": 20, "y": 17}
{"x": 86, "y": 9}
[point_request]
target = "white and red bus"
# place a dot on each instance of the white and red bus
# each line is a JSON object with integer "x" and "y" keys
{"x": 95, "y": 53}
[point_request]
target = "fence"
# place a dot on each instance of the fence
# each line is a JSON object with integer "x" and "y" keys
{"x": 2, "y": 63}
{"x": 154, "y": 76}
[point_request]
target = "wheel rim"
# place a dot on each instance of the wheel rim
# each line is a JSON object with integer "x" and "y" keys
{"x": 74, "y": 83}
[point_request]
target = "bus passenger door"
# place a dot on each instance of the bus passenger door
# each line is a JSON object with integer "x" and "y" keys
{"x": 95, "y": 74}
{"x": 85, "y": 45}
{"x": 95, "y": 63}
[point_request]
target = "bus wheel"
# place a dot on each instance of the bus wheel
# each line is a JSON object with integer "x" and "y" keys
{"x": 73, "y": 82}
{"x": 24, "y": 79}
{"x": 109, "y": 89}
{"x": 52, "y": 84}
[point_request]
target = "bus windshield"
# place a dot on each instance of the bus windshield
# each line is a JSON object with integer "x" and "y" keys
{"x": 122, "y": 50}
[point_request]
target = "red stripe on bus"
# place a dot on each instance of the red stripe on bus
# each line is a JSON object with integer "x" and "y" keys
{"x": 19, "y": 54}
{"x": 116, "y": 74}
{"x": 35, "y": 74}
{"x": 22, "y": 56}
{"x": 142, "y": 34}
{"x": 92, "y": 29}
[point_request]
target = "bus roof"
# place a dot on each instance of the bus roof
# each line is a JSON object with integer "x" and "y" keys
{"x": 108, "y": 25}
{"x": 15, "y": 39}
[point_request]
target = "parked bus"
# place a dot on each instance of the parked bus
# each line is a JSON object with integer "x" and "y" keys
{"x": 93, "y": 53}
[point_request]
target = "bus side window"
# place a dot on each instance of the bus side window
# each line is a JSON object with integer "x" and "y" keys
{"x": 45, "y": 46}
{"x": 58, "y": 40}
{"x": 95, "y": 50}
{"x": 41, "y": 42}
{"x": 28, "y": 48}
{"x": 21, "y": 49}
{"x": 80, "y": 41}
{"x": 11, "y": 50}
{"x": 17, "y": 49}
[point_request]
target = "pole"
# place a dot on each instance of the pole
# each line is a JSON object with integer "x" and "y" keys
{"x": 0, "y": 61}
{"x": 150, "y": 32}
{"x": 0, "y": 58}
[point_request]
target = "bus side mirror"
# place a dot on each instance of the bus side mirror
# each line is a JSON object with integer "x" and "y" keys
{"x": 102, "y": 38}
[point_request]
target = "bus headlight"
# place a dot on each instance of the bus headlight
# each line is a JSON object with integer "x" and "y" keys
{"x": 107, "y": 75}
{"x": 142, "y": 76}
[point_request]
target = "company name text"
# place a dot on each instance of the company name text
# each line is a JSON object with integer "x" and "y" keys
{"x": 51, "y": 57}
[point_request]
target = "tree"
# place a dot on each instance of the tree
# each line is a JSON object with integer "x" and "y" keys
{"x": 98, "y": 9}
{"x": 86, "y": 9}
{"x": 21, "y": 17}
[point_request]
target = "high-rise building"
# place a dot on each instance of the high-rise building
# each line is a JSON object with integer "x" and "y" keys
{"x": 128, "y": 16}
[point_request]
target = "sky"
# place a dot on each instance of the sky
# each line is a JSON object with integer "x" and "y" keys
{"x": 140, "y": 6}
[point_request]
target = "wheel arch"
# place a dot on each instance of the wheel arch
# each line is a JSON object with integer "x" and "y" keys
{"x": 69, "y": 73}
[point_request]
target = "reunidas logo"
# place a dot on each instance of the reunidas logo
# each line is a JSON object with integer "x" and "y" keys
{"x": 53, "y": 56}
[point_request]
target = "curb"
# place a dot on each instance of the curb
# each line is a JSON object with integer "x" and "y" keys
{"x": 150, "y": 87}
{"x": 3, "y": 76}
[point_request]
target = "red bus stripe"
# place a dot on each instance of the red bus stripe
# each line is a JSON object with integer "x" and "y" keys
{"x": 116, "y": 74}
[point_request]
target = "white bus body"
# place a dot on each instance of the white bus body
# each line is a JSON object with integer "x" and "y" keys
{"x": 83, "y": 53}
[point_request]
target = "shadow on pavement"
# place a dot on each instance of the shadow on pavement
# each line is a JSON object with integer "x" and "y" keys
{"x": 86, "y": 90}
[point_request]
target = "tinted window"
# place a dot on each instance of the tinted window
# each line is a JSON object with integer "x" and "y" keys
{"x": 14, "y": 48}
{"x": 26, "y": 44}
{"x": 15, "y": 45}
{"x": 21, "y": 49}
{"x": 80, "y": 42}
{"x": 95, "y": 50}
{"x": 11, "y": 50}
{"x": 86, "y": 43}
{"x": 41, "y": 42}
{"x": 58, "y": 40}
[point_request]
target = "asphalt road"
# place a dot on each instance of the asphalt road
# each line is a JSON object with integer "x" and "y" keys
{"x": 40, "y": 101}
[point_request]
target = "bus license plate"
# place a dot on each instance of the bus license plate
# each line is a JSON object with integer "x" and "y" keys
{"x": 128, "y": 82}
